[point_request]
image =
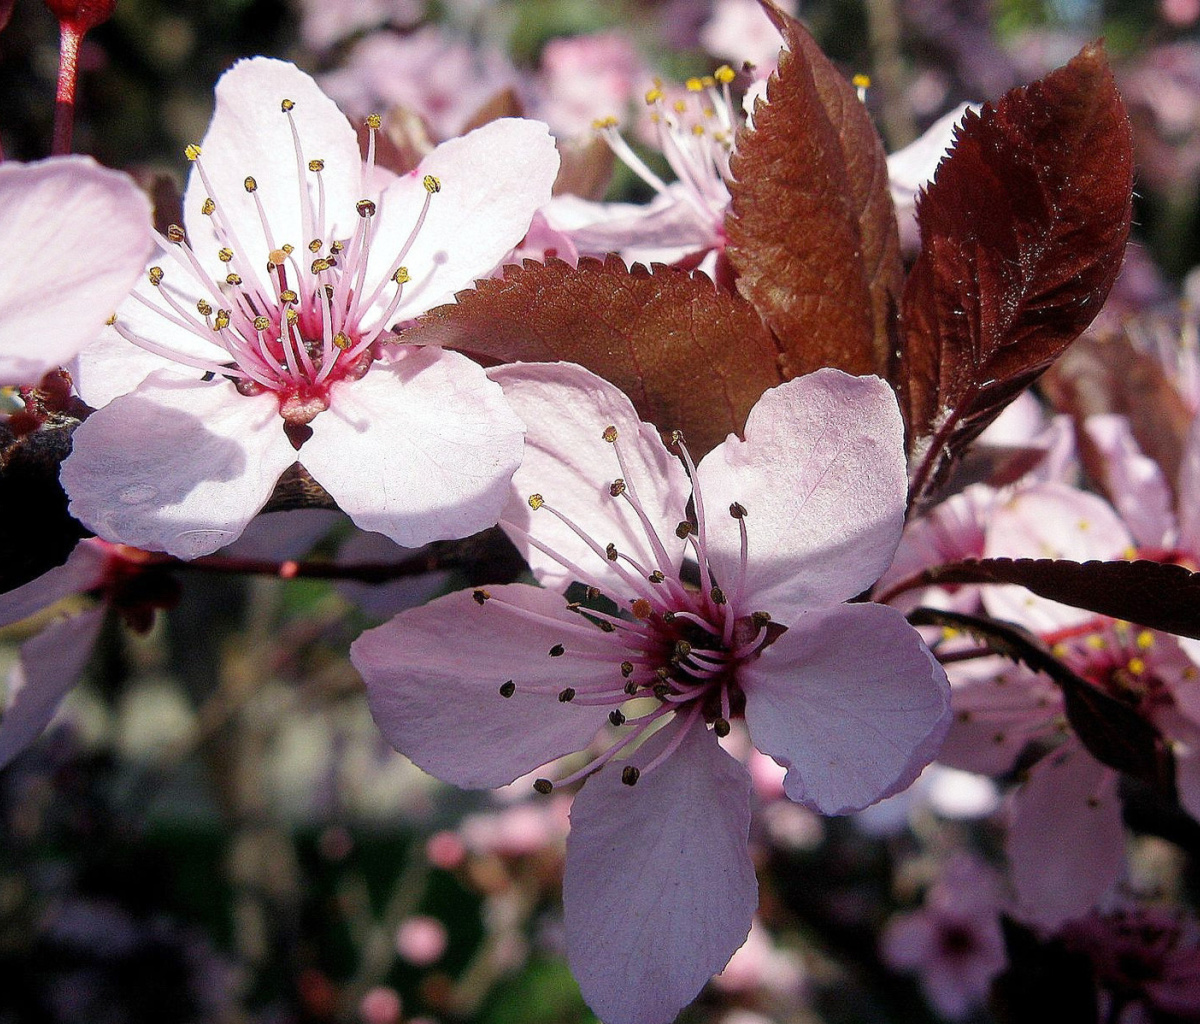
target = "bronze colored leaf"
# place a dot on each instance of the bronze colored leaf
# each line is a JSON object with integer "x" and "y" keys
{"x": 1155, "y": 594}
{"x": 812, "y": 231}
{"x": 1023, "y": 232}
{"x": 691, "y": 357}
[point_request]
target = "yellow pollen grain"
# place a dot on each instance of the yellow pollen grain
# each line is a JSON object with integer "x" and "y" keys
{"x": 694, "y": 85}
{"x": 861, "y": 81}
{"x": 431, "y": 184}
{"x": 724, "y": 74}
{"x": 653, "y": 96}
{"x": 374, "y": 121}
{"x": 192, "y": 152}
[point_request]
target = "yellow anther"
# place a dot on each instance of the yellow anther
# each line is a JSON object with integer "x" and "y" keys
{"x": 653, "y": 96}
{"x": 610, "y": 434}
{"x": 261, "y": 323}
{"x": 156, "y": 276}
{"x": 949, "y": 632}
{"x": 286, "y": 249}
{"x": 374, "y": 121}
{"x": 316, "y": 165}
{"x": 207, "y": 207}
{"x": 287, "y": 106}
{"x": 724, "y": 74}
{"x": 225, "y": 255}
{"x": 320, "y": 266}
{"x": 175, "y": 234}
{"x": 192, "y": 152}
{"x": 1096, "y": 643}
{"x": 680, "y": 106}
{"x": 1060, "y": 650}
{"x": 288, "y": 295}
{"x": 341, "y": 340}
{"x": 250, "y": 184}
{"x": 365, "y": 208}
{"x": 314, "y": 245}
{"x": 604, "y": 122}
{"x": 292, "y": 316}
{"x": 697, "y": 129}
{"x": 694, "y": 85}
{"x": 336, "y": 247}
{"x": 203, "y": 308}
{"x": 861, "y": 81}
{"x": 402, "y": 276}
{"x": 1137, "y": 666}
{"x": 431, "y": 184}
{"x": 1145, "y": 640}
{"x": 112, "y": 319}
{"x": 708, "y": 81}
{"x": 233, "y": 279}
{"x": 277, "y": 257}
{"x": 536, "y": 501}
{"x": 1129, "y": 553}
{"x": 222, "y": 320}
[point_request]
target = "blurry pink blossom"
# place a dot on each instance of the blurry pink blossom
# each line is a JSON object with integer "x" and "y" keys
{"x": 380, "y": 1005}
{"x": 260, "y": 340}
{"x": 953, "y": 942}
{"x": 326, "y": 22}
{"x": 788, "y": 524}
{"x": 583, "y": 79}
{"x": 436, "y": 75}
{"x": 421, "y": 940}
{"x": 84, "y": 233}
{"x": 740, "y": 31}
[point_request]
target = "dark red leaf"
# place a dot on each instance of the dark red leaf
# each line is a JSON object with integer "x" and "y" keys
{"x": 1154, "y": 594}
{"x": 1023, "y": 232}
{"x": 691, "y": 357}
{"x": 812, "y": 231}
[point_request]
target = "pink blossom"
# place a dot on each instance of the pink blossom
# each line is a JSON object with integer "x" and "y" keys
{"x": 421, "y": 940}
{"x": 739, "y": 30}
{"x": 441, "y": 78}
{"x": 326, "y": 22}
{"x": 787, "y": 524}
{"x": 84, "y": 233}
{"x": 953, "y": 942}
{"x": 261, "y": 337}
{"x": 585, "y": 78}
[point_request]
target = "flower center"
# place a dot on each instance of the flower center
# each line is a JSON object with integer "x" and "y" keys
{"x": 673, "y": 639}
{"x": 311, "y": 321}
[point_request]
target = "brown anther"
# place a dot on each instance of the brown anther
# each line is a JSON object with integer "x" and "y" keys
{"x": 431, "y": 184}
{"x": 536, "y": 501}
{"x": 543, "y": 786}
{"x": 616, "y": 717}
{"x": 207, "y": 207}
{"x": 287, "y": 249}
{"x": 610, "y": 552}
{"x": 682, "y": 649}
{"x": 175, "y": 234}
{"x": 233, "y": 279}
{"x": 557, "y": 651}
{"x": 718, "y": 595}
{"x": 737, "y": 510}
{"x": 292, "y": 317}
{"x": 112, "y": 319}
{"x": 663, "y": 672}
{"x": 593, "y": 593}
{"x": 286, "y": 105}
{"x": 606, "y": 626}
{"x": 616, "y": 488}
{"x": 676, "y": 437}
{"x": 250, "y": 184}
{"x": 288, "y": 296}
{"x": 656, "y": 576}
{"x": 566, "y": 695}
{"x": 402, "y": 276}
{"x": 374, "y": 121}
{"x": 668, "y": 617}
{"x": 341, "y": 341}
{"x": 156, "y": 275}
{"x": 661, "y": 690}
{"x": 480, "y": 596}
{"x": 610, "y": 434}
{"x": 760, "y": 619}
{"x": 225, "y": 255}
{"x": 314, "y": 246}
{"x": 627, "y": 669}
{"x": 336, "y": 248}
{"x": 319, "y": 266}
{"x": 316, "y": 166}
{"x": 508, "y": 689}
{"x": 630, "y": 774}
{"x": 261, "y": 323}
{"x": 329, "y": 291}
{"x": 721, "y": 727}
{"x": 683, "y": 529}
{"x": 222, "y": 320}
{"x": 365, "y": 208}
{"x": 631, "y": 688}
{"x": 640, "y": 608}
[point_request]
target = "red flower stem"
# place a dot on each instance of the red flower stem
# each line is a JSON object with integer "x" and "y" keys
{"x": 68, "y": 76}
